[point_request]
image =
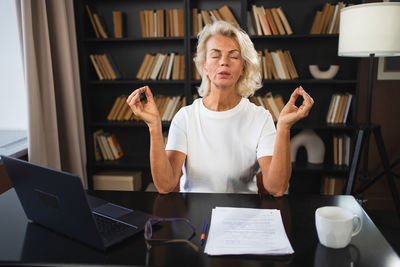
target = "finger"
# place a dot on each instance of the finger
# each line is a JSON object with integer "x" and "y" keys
{"x": 149, "y": 94}
{"x": 306, "y": 96}
{"x": 294, "y": 96}
{"x": 135, "y": 103}
{"x": 136, "y": 92}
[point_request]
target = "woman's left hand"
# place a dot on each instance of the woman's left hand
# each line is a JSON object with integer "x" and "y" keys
{"x": 290, "y": 113}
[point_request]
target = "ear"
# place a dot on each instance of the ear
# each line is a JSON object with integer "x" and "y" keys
{"x": 205, "y": 70}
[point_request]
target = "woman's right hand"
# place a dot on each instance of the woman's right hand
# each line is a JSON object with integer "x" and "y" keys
{"x": 148, "y": 111}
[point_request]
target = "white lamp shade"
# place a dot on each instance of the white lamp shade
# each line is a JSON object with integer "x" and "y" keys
{"x": 370, "y": 29}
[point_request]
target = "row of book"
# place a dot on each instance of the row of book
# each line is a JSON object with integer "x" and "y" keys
{"x": 162, "y": 67}
{"x": 327, "y": 20}
{"x": 274, "y": 103}
{"x": 105, "y": 66}
{"x": 333, "y": 185}
{"x": 341, "y": 150}
{"x": 162, "y": 23}
{"x": 106, "y": 146}
{"x": 339, "y": 107}
{"x": 277, "y": 65}
{"x": 167, "y": 106}
{"x": 99, "y": 26}
{"x": 268, "y": 21}
{"x": 203, "y": 17}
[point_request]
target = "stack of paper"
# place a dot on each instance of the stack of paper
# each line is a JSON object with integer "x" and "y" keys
{"x": 247, "y": 231}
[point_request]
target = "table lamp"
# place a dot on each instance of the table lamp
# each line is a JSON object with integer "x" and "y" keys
{"x": 370, "y": 30}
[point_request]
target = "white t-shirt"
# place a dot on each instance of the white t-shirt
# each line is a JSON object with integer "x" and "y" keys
{"x": 222, "y": 147}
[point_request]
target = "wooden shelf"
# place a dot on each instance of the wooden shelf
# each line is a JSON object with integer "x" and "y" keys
{"x": 130, "y": 40}
{"x": 134, "y": 82}
{"x": 328, "y": 169}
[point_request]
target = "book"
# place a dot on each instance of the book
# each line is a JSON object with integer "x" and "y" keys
{"x": 176, "y": 67}
{"x": 227, "y": 15}
{"x": 195, "y": 26}
{"x": 114, "y": 107}
{"x": 284, "y": 64}
{"x": 279, "y": 102}
{"x": 120, "y": 108}
{"x": 114, "y": 68}
{"x": 284, "y": 20}
{"x": 96, "y": 67}
{"x": 118, "y": 180}
{"x": 277, "y": 21}
{"x": 333, "y": 20}
{"x": 292, "y": 68}
{"x": 335, "y": 107}
{"x": 142, "y": 18}
{"x": 92, "y": 21}
{"x": 118, "y": 24}
{"x": 346, "y": 112}
{"x": 206, "y": 17}
{"x": 256, "y": 20}
{"x": 115, "y": 146}
{"x": 316, "y": 22}
{"x": 260, "y": 11}
{"x": 182, "y": 68}
{"x": 170, "y": 64}
{"x": 278, "y": 65}
{"x": 330, "y": 109}
{"x": 157, "y": 65}
{"x": 100, "y": 25}
{"x": 271, "y": 21}
{"x": 143, "y": 66}
{"x": 333, "y": 185}
{"x": 339, "y": 109}
{"x": 274, "y": 108}
{"x": 96, "y": 146}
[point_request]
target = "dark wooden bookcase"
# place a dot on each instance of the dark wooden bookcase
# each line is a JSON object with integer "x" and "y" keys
{"x": 98, "y": 96}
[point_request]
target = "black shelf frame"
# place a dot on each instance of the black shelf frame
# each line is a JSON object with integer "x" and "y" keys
{"x": 137, "y": 156}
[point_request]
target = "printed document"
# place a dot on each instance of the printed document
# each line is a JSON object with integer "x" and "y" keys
{"x": 236, "y": 231}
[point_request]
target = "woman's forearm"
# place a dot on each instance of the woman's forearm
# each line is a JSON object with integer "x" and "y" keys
{"x": 161, "y": 169}
{"x": 280, "y": 170}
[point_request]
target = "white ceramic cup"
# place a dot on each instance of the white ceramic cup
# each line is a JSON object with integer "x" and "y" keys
{"x": 335, "y": 226}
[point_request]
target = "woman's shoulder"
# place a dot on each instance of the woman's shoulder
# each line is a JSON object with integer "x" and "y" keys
{"x": 253, "y": 109}
{"x": 188, "y": 110}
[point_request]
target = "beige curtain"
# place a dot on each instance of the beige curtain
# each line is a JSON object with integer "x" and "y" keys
{"x": 48, "y": 42}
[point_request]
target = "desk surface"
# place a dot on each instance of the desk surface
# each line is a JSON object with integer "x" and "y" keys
{"x": 26, "y": 242}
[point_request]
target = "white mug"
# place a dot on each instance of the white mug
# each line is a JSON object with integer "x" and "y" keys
{"x": 335, "y": 226}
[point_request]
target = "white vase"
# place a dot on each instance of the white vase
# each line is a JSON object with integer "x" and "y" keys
{"x": 313, "y": 144}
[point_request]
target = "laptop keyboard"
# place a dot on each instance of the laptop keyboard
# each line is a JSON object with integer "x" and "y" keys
{"x": 110, "y": 229}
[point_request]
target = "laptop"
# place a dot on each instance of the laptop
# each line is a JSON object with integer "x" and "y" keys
{"x": 57, "y": 200}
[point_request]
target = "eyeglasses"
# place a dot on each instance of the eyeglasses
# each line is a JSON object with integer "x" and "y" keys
{"x": 148, "y": 232}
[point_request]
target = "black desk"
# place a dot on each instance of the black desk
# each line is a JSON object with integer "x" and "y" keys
{"x": 24, "y": 242}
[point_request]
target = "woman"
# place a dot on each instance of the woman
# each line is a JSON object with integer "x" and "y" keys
{"x": 220, "y": 141}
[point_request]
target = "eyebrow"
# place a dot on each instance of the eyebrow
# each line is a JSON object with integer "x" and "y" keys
{"x": 229, "y": 52}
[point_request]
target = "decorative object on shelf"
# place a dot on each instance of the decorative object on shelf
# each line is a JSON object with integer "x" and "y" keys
{"x": 370, "y": 30}
{"x": 313, "y": 144}
{"x": 326, "y": 74}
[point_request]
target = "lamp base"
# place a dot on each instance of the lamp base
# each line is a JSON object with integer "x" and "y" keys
{"x": 364, "y": 133}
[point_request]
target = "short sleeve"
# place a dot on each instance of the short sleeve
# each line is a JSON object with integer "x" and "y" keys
{"x": 266, "y": 143}
{"x": 177, "y": 135}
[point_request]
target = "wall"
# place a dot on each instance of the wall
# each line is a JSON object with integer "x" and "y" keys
{"x": 385, "y": 103}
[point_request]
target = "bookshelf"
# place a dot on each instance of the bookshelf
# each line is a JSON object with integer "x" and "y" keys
{"x": 128, "y": 53}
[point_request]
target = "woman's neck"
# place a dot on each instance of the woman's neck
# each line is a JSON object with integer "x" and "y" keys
{"x": 221, "y": 100}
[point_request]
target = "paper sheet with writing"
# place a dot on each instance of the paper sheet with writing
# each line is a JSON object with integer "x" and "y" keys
{"x": 247, "y": 231}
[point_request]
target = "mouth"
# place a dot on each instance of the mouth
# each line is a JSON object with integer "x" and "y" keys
{"x": 224, "y": 74}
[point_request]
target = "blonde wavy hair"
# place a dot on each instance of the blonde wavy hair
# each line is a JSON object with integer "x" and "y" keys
{"x": 250, "y": 81}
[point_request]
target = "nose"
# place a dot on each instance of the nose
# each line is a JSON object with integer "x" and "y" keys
{"x": 224, "y": 60}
